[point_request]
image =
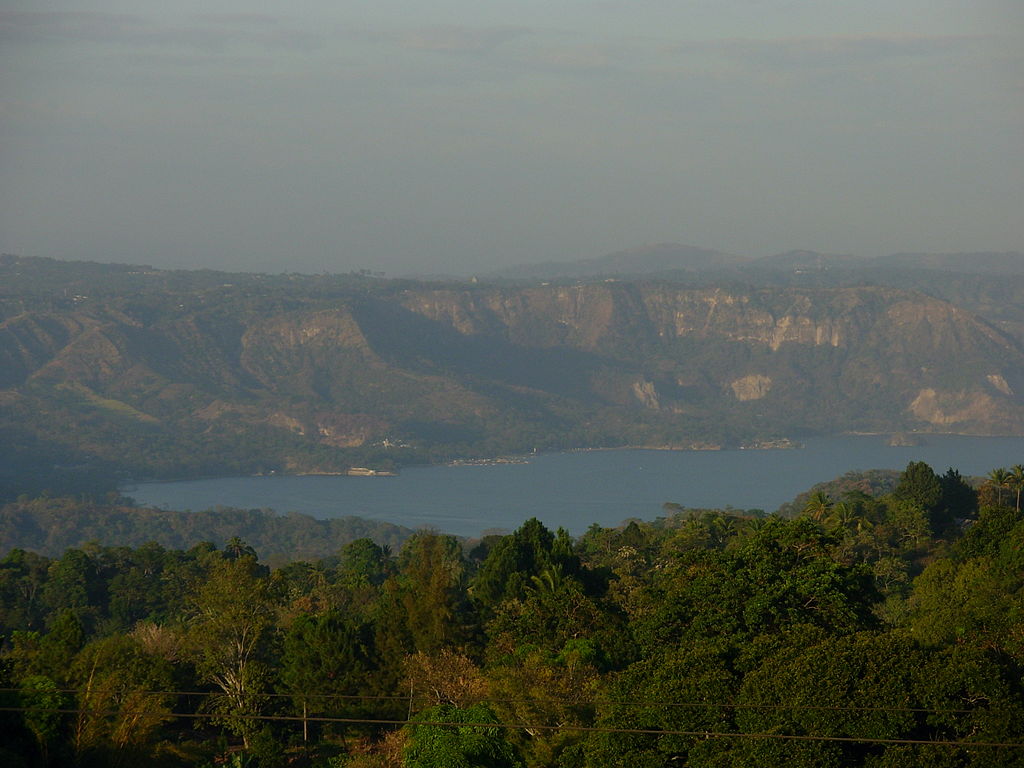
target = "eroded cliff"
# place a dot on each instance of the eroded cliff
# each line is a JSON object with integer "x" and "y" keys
{"x": 302, "y": 378}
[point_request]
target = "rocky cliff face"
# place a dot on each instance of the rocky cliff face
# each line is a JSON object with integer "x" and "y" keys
{"x": 910, "y": 350}
{"x": 481, "y": 369}
{"x": 591, "y": 316}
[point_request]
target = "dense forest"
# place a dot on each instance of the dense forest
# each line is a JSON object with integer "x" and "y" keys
{"x": 50, "y": 525}
{"x": 867, "y": 630}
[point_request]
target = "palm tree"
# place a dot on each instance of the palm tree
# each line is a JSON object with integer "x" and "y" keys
{"x": 1016, "y": 480}
{"x": 818, "y": 506}
{"x": 843, "y": 516}
{"x": 548, "y": 581}
{"x": 721, "y": 528}
{"x": 751, "y": 525}
{"x": 235, "y": 548}
{"x": 999, "y": 479}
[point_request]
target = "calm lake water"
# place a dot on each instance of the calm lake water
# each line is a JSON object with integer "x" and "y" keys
{"x": 573, "y": 490}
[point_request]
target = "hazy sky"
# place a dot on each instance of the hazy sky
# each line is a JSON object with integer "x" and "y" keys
{"x": 429, "y": 135}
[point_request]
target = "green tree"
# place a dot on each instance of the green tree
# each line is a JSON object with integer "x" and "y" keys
{"x": 50, "y": 654}
{"x": 513, "y": 561}
{"x": 843, "y": 516}
{"x": 22, "y": 578}
{"x": 965, "y": 677}
{"x": 665, "y": 691}
{"x": 977, "y": 600}
{"x": 74, "y": 585}
{"x": 134, "y": 594}
{"x": 920, "y": 485}
{"x": 363, "y": 559}
{"x": 786, "y": 573}
{"x": 536, "y": 687}
{"x": 324, "y": 655}
{"x": 119, "y": 697}
{"x": 392, "y": 637}
{"x": 908, "y": 522}
{"x": 232, "y": 614}
{"x": 43, "y": 701}
{"x": 234, "y": 548}
{"x": 554, "y": 611}
{"x": 432, "y": 578}
{"x": 999, "y": 479}
{"x": 959, "y": 501}
{"x": 994, "y": 526}
{"x": 447, "y": 677}
{"x": 835, "y": 686}
{"x": 1016, "y": 481}
{"x": 470, "y": 742}
{"x": 818, "y": 506}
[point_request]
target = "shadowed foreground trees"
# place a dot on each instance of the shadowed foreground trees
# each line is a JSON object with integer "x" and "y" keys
{"x": 887, "y": 632}
{"x": 233, "y": 615}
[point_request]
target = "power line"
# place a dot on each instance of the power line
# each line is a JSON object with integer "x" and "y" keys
{"x": 706, "y": 734}
{"x": 567, "y": 702}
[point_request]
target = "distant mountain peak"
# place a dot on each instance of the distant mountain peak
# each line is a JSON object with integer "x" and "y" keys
{"x": 809, "y": 260}
{"x": 648, "y": 259}
{"x": 982, "y": 262}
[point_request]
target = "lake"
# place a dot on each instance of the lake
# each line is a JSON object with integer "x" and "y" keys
{"x": 575, "y": 489}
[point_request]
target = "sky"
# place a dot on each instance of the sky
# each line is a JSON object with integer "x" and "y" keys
{"x": 457, "y": 136}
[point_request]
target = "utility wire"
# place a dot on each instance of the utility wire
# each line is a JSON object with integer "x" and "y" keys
{"x": 566, "y": 702}
{"x": 517, "y": 726}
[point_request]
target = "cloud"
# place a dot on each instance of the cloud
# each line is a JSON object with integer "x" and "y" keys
{"x": 572, "y": 55}
{"x": 829, "y": 52}
{"x": 239, "y": 19}
{"x": 31, "y": 26}
{"x": 460, "y": 39}
{"x": 206, "y": 32}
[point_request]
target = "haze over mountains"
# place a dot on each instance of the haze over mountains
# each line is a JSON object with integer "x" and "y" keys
{"x": 642, "y": 260}
{"x": 182, "y": 373}
{"x": 675, "y": 257}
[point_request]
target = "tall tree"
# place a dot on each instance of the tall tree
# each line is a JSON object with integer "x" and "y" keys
{"x": 22, "y": 578}
{"x": 959, "y": 500}
{"x": 919, "y": 484}
{"x": 431, "y": 574}
{"x": 119, "y": 686}
{"x": 470, "y": 742}
{"x": 818, "y": 506}
{"x": 321, "y": 656}
{"x": 1016, "y": 481}
{"x": 365, "y": 559}
{"x": 74, "y": 585}
{"x": 514, "y": 560}
{"x": 999, "y": 479}
{"x": 232, "y": 616}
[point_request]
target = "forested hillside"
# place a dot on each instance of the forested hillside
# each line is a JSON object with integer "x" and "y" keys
{"x": 108, "y": 370}
{"x": 50, "y": 525}
{"x": 868, "y": 631}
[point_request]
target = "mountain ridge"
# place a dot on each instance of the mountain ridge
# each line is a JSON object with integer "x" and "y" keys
{"x": 666, "y": 258}
{"x": 641, "y": 260}
{"x": 180, "y": 374}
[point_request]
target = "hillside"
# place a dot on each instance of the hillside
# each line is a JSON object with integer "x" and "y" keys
{"x": 50, "y": 526}
{"x": 633, "y": 262}
{"x": 176, "y": 373}
{"x": 674, "y": 259}
{"x": 1003, "y": 263}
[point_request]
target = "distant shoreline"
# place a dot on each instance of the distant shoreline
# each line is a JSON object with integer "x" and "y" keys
{"x": 918, "y": 439}
{"x": 566, "y": 489}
